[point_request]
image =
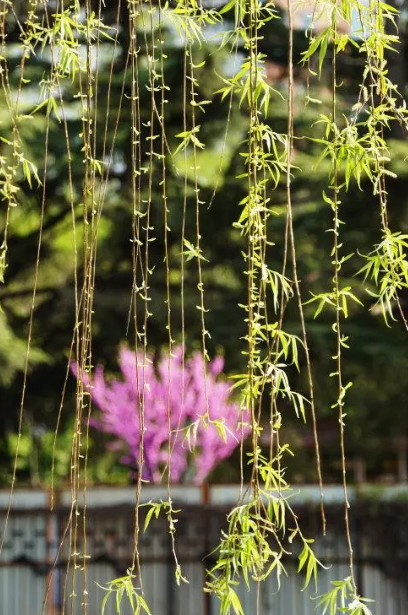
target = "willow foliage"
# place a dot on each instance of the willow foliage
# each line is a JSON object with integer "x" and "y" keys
{"x": 69, "y": 39}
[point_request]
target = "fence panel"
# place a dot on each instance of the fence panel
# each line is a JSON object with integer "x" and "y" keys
{"x": 30, "y": 569}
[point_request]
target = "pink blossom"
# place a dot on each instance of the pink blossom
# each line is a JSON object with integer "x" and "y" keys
{"x": 169, "y": 397}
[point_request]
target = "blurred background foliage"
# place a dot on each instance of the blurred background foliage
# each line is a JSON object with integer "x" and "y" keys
{"x": 377, "y": 361}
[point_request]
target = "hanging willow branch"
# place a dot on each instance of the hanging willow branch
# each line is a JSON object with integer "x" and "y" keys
{"x": 68, "y": 40}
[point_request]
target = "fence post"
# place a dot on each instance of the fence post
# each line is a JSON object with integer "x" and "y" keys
{"x": 53, "y": 545}
{"x": 402, "y": 460}
{"x": 205, "y": 500}
{"x": 51, "y": 541}
{"x": 359, "y": 546}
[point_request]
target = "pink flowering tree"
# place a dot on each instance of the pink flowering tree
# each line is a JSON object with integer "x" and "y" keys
{"x": 188, "y": 413}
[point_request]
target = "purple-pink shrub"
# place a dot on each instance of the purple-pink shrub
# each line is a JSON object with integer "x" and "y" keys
{"x": 169, "y": 390}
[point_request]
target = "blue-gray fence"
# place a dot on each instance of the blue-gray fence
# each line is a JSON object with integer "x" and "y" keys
{"x": 37, "y": 574}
